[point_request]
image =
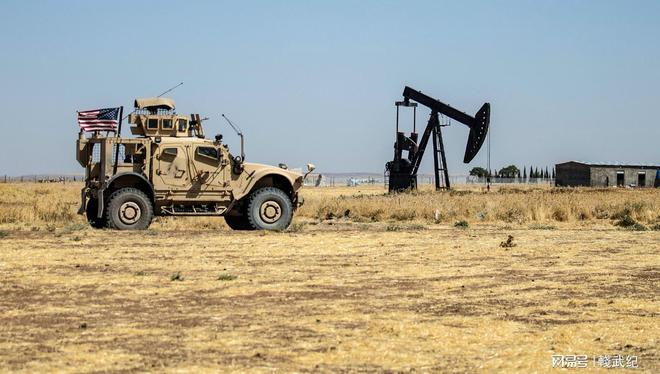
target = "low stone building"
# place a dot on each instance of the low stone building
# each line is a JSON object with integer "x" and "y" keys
{"x": 575, "y": 174}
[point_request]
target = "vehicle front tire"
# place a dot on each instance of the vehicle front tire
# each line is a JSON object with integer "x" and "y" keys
{"x": 269, "y": 208}
{"x": 91, "y": 214}
{"x": 238, "y": 223}
{"x": 129, "y": 209}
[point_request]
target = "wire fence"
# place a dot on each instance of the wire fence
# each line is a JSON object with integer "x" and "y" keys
{"x": 49, "y": 178}
{"x": 312, "y": 180}
{"x": 322, "y": 180}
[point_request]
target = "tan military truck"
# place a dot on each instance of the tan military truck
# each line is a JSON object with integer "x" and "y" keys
{"x": 170, "y": 168}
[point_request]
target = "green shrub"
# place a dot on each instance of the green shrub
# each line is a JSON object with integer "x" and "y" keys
{"x": 410, "y": 227}
{"x": 538, "y": 226}
{"x": 226, "y": 277}
{"x": 627, "y": 222}
{"x": 462, "y": 224}
{"x": 393, "y": 227}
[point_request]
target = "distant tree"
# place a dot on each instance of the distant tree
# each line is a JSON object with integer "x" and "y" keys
{"x": 547, "y": 173}
{"x": 479, "y": 172}
{"x": 536, "y": 172}
{"x": 553, "y": 173}
{"x": 524, "y": 172}
{"x": 510, "y": 171}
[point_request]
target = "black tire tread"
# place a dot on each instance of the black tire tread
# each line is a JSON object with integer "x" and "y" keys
{"x": 239, "y": 223}
{"x": 254, "y": 195}
{"x": 90, "y": 214}
{"x": 108, "y": 210}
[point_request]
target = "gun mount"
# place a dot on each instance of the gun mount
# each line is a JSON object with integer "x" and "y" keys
{"x": 402, "y": 172}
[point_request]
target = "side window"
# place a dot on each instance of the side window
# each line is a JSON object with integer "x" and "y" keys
{"x": 182, "y": 125}
{"x": 170, "y": 152}
{"x": 152, "y": 124}
{"x": 209, "y": 153}
{"x": 167, "y": 124}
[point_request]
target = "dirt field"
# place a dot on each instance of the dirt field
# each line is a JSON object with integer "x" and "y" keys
{"x": 369, "y": 290}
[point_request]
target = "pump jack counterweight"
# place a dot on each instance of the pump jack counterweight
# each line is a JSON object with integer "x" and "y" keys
{"x": 402, "y": 172}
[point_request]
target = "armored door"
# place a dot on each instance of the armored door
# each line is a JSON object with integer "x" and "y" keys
{"x": 207, "y": 169}
{"x": 172, "y": 169}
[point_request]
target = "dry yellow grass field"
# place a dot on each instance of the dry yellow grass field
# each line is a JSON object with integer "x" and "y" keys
{"x": 361, "y": 282}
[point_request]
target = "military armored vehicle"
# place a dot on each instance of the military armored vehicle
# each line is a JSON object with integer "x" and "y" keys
{"x": 170, "y": 169}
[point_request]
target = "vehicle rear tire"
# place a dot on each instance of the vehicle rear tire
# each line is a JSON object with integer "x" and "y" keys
{"x": 91, "y": 214}
{"x": 238, "y": 222}
{"x": 129, "y": 209}
{"x": 269, "y": 208}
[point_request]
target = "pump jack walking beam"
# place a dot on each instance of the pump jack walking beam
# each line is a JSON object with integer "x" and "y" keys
{"x": 478, "y": 124}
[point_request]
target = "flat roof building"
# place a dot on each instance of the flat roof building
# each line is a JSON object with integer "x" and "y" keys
{"x": 574, "y": 173}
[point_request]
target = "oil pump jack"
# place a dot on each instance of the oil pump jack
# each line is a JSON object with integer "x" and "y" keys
{"x": 402, "y": 172}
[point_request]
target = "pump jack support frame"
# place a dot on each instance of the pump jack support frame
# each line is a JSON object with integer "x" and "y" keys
{"x": 402, "y": 172}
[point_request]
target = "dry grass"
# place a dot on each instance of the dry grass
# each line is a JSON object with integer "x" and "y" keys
{"x": 514, "y": 205}
{"x": 332, "y": 295}
{"x": 37, "y": 205}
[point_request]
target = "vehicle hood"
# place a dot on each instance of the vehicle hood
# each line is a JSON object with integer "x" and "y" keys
{"x": 262, "y": 169}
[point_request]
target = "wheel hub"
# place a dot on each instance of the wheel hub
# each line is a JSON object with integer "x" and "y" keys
{"x": 270, "y": 211}
{"x": 129, "y": 213}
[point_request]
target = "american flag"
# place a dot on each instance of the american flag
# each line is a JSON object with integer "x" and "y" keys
{"x": 98, "y": 119}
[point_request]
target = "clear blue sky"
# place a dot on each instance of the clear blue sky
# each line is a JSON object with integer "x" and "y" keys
{"x": 313, "y": 81}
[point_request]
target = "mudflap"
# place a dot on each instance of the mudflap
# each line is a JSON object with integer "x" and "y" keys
{"x": 83, "y": 200}
{"x": 298, "y": 201}
{"x": 99, "y": 211}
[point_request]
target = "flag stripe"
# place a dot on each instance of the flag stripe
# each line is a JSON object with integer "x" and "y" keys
{"x": 98, "y": 119}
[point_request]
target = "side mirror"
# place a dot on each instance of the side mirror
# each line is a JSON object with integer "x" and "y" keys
{"x": 310, "y": 168}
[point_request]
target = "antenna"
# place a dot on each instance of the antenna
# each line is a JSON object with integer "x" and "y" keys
{"x": 239, "y": 132}
{"x": 171, "y": 89}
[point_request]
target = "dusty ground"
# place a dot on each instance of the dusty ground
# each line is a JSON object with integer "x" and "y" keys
{"x": 333, "y": 297}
